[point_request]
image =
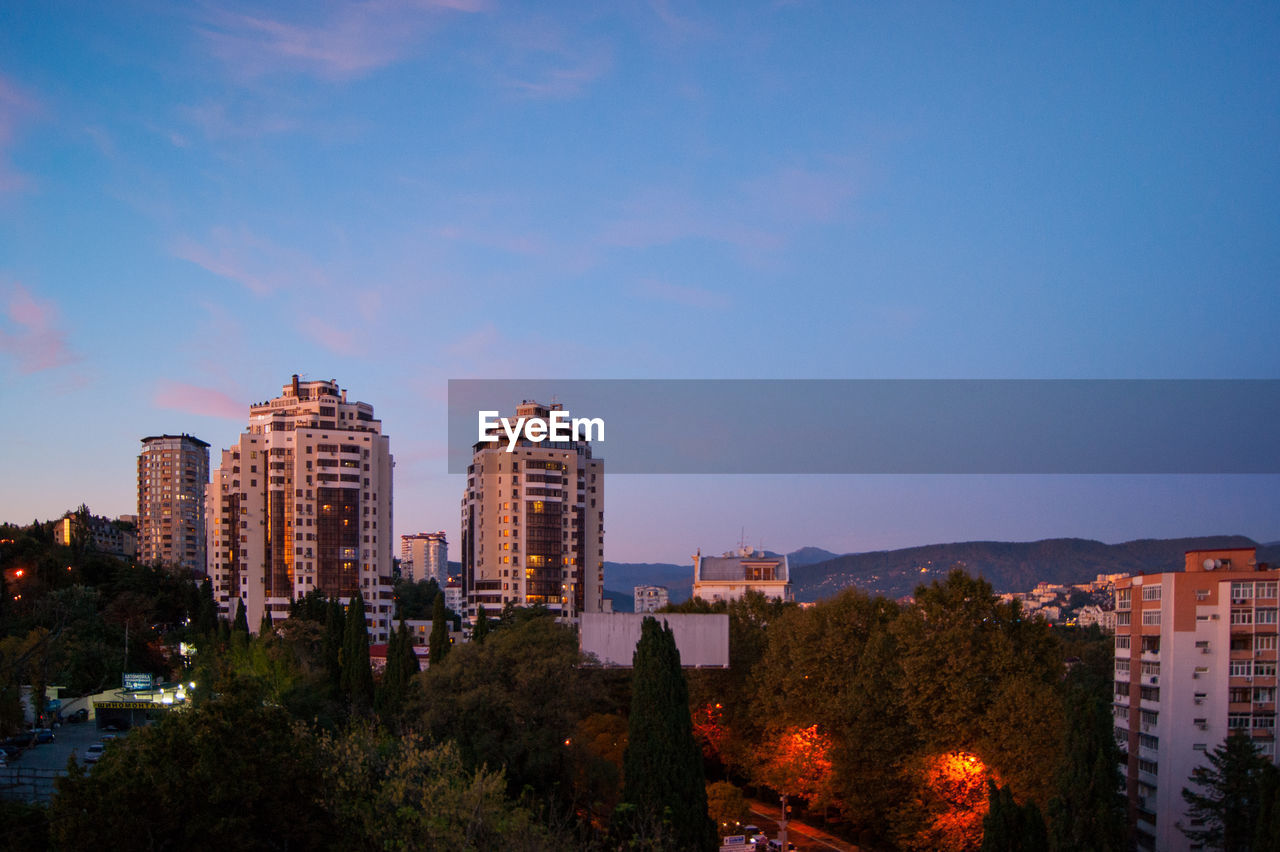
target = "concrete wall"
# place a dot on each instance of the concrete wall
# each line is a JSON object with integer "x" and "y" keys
{"x": 703, "y": 640}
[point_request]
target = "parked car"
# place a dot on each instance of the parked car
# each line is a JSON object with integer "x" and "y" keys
{"x": 11, "y": 752}
{"x": 81, "y": 715}
{"x": 42, "y": 735}
{"x": 94, "y": 753}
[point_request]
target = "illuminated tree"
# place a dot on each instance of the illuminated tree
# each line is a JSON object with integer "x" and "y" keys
{"x": 948, "y": 806}
{"x": 797, "y": 762}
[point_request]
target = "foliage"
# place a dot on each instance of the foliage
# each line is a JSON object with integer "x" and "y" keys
{"x": 726, "y": 806}
{"x": 402, "y": 665}
{"x": 662, "y": 768}
{"x": 357, "y": 671}
{"x": 481, "y": 628}
{"x": 403, "y": 794}
{"x": 1088, "y": 807}
{"x": 1010, "y": 827}
{"x": 512, "y": 703}
{"x": 1229, "y": 800}
{"x": 438, "y": 643}
{"x": 232, "y": 773}
{"x": 24, "y": 827}
{"x": 415, "y": 600}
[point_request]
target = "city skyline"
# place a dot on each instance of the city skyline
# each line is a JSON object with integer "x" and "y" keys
{"x": 197, "y": 203}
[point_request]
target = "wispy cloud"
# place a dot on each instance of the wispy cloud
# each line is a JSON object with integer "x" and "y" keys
{"x": 337, "y": 339}
{"x": 16, "y": 107}
{"x": 250, "y": 259}
{"x": 347, "y": 40}
{"x": 561, "y": 77}
{"x": 690, "y": 297}
{"x": 757, "y": 215}
{"x": 194, "y": 399}
{"x": 34, "y": 339}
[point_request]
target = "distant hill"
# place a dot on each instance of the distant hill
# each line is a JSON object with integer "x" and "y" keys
{"x": 623, "y": 577}
{"x": 1008, "y": 566}
{"x": 622, "y": 601}
{"x": 808, "y": 556}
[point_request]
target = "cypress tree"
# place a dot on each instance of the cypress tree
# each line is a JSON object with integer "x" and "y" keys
{"x": 266, "y": 627}
{"x": 439, "y": 644}
{"x": 662, "y": 766}
{"x": 241, "y": 625}
{"x": 402, "y": 665}
{"x": 481, "y": 628}
{"x": 1089, "y": 809}
{"x": 1010, "y": 827}
{"x": 357, "y": 672}
{"x": 206, "y": 620}
{"x": 331, "y": 648}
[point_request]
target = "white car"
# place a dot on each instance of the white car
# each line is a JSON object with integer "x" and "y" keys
{"x": 94, "y": 753}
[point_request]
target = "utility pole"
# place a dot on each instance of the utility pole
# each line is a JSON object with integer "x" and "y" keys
{"x": 782, "y": 824}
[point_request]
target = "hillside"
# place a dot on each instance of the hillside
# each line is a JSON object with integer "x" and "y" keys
{"x": 1008, "y": 566}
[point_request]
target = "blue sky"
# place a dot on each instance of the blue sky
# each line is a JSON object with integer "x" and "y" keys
{"x": 197, "y": 201}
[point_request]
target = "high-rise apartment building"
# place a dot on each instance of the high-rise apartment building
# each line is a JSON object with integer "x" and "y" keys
{"x": 302, "y": 502}
{"x": 425, "y": 556}
{"x": 533, "y": 524}
{"x": 173, "y": 471}
{"x": 1195, "y": 662}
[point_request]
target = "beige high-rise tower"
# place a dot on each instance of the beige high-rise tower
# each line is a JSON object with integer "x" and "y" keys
{"x": 533, "y": 525}
{"x": 173, "y": 471}
{"x": 301, "y": 502}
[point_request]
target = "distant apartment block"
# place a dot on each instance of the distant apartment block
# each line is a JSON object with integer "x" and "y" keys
{"x": 454, "y": 599}
{"x": 650, "y": 598}
{"x": 533, "y": 525}
{"x": 729, "y": 576}
{"x": 425, "y": 556}
{"x": 173, "y": 472}
{"x": 101, "y": 534}
{"x": 1195, "y": 661}
{"x": 302, "y": 501}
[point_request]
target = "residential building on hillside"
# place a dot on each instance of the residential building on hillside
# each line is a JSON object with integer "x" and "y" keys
{"x": 1195, "y": 660}
{"x": 533, "y": 524}
{"x": 425, "y": 556}
{"x": 731, "y": 575}
{"x": 302, "y": 501}
{"x": 102, "y": 534}
{"x": 650, "y": 598}
{"x": 173, "y": 472}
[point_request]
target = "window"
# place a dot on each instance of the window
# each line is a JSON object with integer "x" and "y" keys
{"x": 1242, "y": 590}
{"x": 1241, "y": 668}
{"x": 1265, "y": 616}
{"x": 1151, "y": 668}
{"x": 1264, "y": 642}
{"x": 1242, "y": 616}
{"x": 1238, "y": 721}
{"x": 1266, "y": 588}
{"x": 1122, "y": 619}
{"x": 1151, "y": 593}
{"x": 1122, "y": 642}
{"x": 1150, "y": 616}
{"x": 1264, "y": 669}
{"x": 1123, "y": 598}
{"x": 1122, "y": 666}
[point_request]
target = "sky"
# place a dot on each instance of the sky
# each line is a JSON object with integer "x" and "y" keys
{"x": 199, "y": 200}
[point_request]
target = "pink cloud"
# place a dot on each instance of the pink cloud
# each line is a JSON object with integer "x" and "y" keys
{"x": 201, "y": 401}
{"x": 251, "y": 260}
{"x": 352, "y": 39}
{"x": 36, "y": 341}
{"x": 341, "y": 341}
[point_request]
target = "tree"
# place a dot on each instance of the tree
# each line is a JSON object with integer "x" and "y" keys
{"x": 726, "y": 806}
{"x": 1230, "y": 801}
{"x": 206, "y": 620}
{"x": 1010, "y": 827}
{"x": 331, "y": 648}
{"x": 1088, "y": 807}
{"x": 357, "y": 671}
{"x": 662, "y": 769}
{"x": 240, "y": 626}
{"x": 439, "y": 642}
{"x": 481, "y": 628}
{"x": 222, "y": 775}
{"x": 266, "y": 627}
{"x": 402, "y": 665}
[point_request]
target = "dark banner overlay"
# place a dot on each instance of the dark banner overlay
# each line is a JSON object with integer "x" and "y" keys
{"x": 1132, "y": 426}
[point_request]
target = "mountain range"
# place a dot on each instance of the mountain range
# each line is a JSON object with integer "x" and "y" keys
{"x": 1008, "y": 566}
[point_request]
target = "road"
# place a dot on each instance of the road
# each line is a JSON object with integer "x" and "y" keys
{"x": 806, "y": 837}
